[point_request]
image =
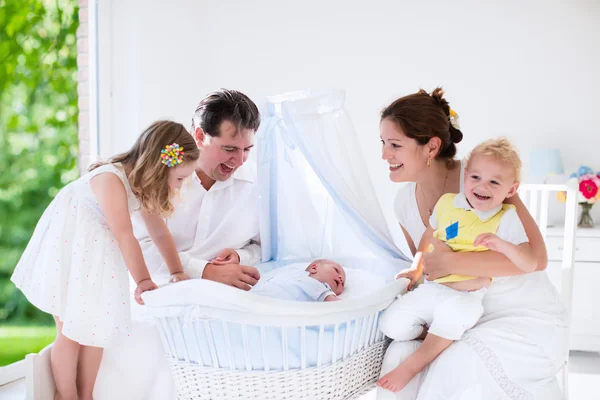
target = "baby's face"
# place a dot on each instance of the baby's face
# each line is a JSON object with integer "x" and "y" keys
{"x": 329, "y": 272}
{"x": 488, "y": 182}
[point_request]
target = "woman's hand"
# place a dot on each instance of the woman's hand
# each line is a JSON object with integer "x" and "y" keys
{"x": 412, "y": 274}
{"x": 178, "y": 277}
{"x": 143, "y": 286}
{"x": 435, "y": 263}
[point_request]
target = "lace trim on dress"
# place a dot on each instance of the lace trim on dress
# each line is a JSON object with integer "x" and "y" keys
{"x": 514, "y": 391}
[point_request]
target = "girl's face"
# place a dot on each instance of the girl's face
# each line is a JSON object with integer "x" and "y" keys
{"x": 405, "y": 156}
{"x": 179, "y": 173}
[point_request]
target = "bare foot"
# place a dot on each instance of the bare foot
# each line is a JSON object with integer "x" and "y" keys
{"x": 398, "y": 378}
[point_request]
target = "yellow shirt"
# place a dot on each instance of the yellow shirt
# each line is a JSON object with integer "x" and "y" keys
{"x": 459, "y": 226}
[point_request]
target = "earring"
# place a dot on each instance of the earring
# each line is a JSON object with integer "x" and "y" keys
{"x": 429, "y": 162}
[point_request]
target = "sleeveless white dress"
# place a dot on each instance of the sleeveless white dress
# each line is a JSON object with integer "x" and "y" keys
{"x": 73, "y": 267}
{"x": 513, "y": 352}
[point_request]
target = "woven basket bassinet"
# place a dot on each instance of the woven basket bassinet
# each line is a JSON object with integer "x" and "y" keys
{"x": 223, "y": 343}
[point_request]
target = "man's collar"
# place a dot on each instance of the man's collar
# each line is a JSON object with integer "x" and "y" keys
{"x": 460, "y": 201}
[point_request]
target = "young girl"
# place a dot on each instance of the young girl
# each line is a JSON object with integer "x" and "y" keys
{"x": 75, "y": 265}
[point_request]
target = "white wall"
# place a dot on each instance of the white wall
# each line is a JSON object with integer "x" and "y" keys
{"x": 529, "y": 70}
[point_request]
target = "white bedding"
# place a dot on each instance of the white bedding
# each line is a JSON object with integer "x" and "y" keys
{"x": 232, "y": 352}
{"x": 138, "y": 367}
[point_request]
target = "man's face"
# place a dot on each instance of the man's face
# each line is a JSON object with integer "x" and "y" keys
{"x": 221, "y": 156}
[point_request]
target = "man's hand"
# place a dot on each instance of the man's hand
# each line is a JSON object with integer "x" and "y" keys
{"x": 239, "y": 276}
{"x": 227, "y": 256}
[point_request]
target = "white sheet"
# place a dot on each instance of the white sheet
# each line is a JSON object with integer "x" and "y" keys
{"x": 137, "y": 368}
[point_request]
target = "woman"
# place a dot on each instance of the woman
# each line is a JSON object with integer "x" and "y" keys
{"x": 518, "y": 346}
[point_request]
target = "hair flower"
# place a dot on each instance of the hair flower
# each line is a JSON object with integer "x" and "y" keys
{"x": 171, "y": 155}
{"x": 453, "y": 118}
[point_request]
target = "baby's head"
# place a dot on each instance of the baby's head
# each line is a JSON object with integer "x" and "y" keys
{"x": 329, "y": 272}
{"x": 492, "y": 174}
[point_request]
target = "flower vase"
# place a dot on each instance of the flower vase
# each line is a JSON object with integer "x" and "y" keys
{"x": 585, "y": 220}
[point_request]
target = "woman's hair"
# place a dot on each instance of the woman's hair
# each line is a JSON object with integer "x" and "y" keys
{"x": 501, "y": 149}
{"x": 422, "y": 116}
{"x": 148, "y": 174}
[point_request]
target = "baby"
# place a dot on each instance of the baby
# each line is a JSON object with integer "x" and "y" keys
{"x": 475, "y": 220}
{"x": 322, "y": 280}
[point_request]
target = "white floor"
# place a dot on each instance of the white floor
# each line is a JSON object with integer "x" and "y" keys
{"x": 584, "y": 380}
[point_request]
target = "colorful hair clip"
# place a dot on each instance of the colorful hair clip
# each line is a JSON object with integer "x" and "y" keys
{"x": 171, "y": 155}
{"x": 453, "y": 118}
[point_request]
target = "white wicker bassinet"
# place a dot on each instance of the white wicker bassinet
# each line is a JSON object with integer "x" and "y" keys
{"x": 223, "y": 343}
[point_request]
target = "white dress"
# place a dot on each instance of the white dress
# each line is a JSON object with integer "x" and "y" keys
{"x": 513, "y": 352}
{"x": 72, "y": 267}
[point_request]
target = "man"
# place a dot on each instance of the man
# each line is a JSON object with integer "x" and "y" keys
{"x": 215, "y": 230}
{"x": 215, "y": 222}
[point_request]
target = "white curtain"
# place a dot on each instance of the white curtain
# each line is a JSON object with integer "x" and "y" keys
{"x": 317, "y": 200}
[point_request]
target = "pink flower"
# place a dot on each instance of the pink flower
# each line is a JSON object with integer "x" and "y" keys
{"x": 588, "y": 188}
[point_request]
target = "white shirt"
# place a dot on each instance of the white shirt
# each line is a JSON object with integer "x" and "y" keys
{"x": 206, "y": 222}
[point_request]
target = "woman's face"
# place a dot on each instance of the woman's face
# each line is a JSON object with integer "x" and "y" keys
{"x": 405, "y": 156}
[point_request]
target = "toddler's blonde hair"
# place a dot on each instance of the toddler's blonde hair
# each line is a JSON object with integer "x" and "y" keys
{"x": 501, "y": 149}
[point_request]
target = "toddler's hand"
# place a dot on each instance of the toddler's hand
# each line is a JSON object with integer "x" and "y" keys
{"x": 178, "y": 277}
{"x": 490, "y": 241}
{"x": 411, "y": 274}
{"x": 143, "y": 286}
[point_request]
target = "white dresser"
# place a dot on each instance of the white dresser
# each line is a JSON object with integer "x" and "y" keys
{"x": 585, "y": 324}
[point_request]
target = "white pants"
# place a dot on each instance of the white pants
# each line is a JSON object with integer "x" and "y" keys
{"x": 447, "y": 312}
{"x": 512, "y": 353}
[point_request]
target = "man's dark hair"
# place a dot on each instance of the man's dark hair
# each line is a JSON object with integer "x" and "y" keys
{"x": 225, "y": 105}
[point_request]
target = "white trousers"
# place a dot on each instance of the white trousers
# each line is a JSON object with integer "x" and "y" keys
{"x": 447, "y": 312}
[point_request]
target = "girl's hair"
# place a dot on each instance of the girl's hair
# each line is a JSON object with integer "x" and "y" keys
{"x": 501, "y": 149}
{"x": 148, "y": 175}
{"x": 422, "y": 116}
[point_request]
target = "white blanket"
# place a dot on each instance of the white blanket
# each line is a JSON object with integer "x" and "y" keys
{"x": 137, "y": 368}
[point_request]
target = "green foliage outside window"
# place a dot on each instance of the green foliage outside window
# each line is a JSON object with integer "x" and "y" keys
{"x": 38, "y": 128}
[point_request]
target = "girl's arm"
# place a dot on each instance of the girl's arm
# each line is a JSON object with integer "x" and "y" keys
{"x": 162, "y": 238}
{"x": 112, "y": 198}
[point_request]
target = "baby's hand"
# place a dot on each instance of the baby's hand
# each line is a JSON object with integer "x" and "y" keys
{"x": 490, "y": 241}
{"x": 331, "y": 297}
{"x": 178, "y": 276}
{"x": 143, "y": 286}
{"x": 411, "y": 274}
